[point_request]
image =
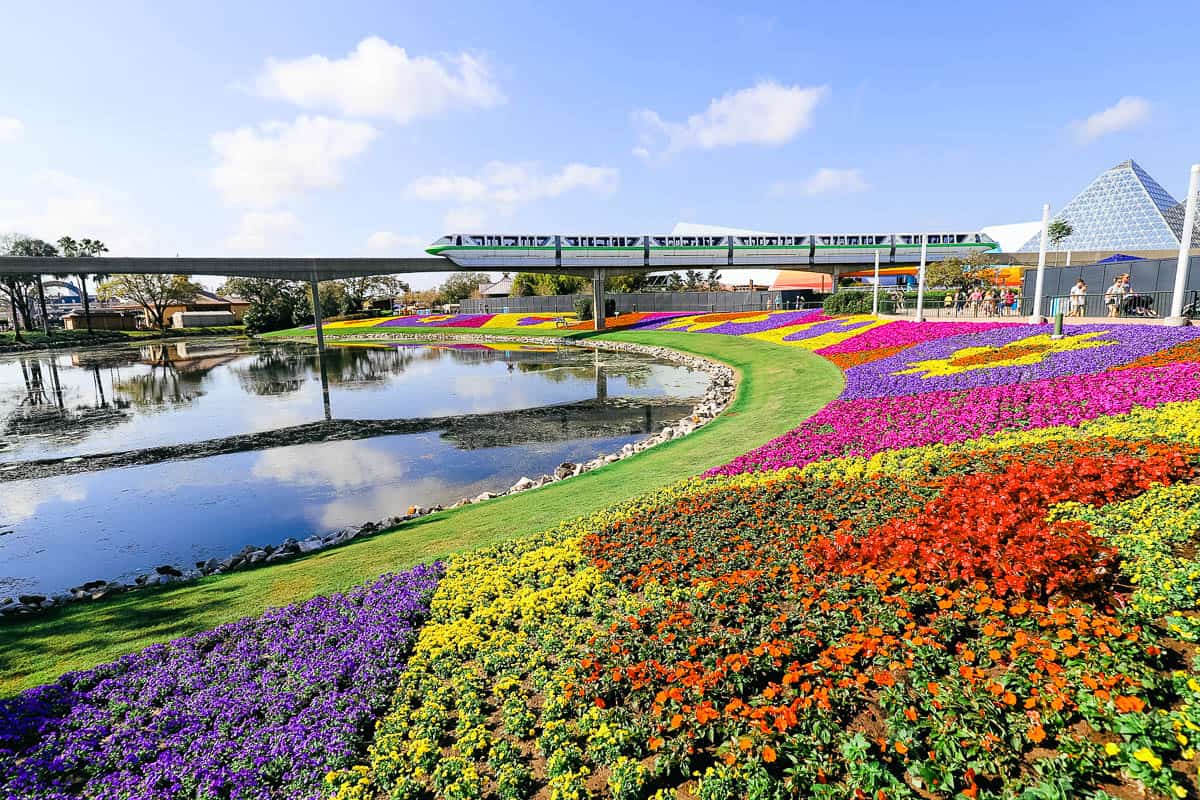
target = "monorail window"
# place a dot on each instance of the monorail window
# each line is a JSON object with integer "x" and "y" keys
{"x": 853, "y": 240}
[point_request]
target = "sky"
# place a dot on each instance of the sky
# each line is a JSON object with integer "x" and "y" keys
{"x": 298, "y": 129}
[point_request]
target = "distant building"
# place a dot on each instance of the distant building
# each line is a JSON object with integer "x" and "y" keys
{"x": 1122, "y": 210}
{"x": 500, "y": 288}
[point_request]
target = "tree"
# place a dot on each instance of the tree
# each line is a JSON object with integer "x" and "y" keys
{"x": 674, "y": 282}
{"x": 624, "y": 284}
{"x": 83, "y": 248}
{"x": 1058, "y": 231}
{"x": 713, "y": 281}
{"x": 274, "y": 303}
{"x": 35, "y": 248}
{"x": 152, "y": 292}
{"x": 362, "y": 290}
{"x": 948, "y": 272}
{"x": 692, "y": 280}
{"x": 16, "y": 287}
{"x": 461, "y": 285}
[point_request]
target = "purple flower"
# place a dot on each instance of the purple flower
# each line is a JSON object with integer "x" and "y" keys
{"x": 259, "y": 708}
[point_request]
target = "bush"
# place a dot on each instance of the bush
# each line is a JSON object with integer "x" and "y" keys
{"x": 848, "y": 303}
{"x": 583, "y": 307}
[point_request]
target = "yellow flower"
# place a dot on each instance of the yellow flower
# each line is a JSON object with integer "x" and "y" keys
{"x": 1146, "y": 756}
{"x": 1112, "y": 748}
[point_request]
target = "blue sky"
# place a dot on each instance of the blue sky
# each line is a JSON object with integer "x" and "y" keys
{"x": 294, "y": 129}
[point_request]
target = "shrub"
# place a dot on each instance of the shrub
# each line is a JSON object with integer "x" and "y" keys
{"x": 848, "y": 303}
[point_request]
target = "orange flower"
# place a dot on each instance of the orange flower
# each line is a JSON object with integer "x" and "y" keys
{"x": 1036, "y": 734}
{"x": 768, "y": 754}
{"x": 1128, "y": 704}
{"x": 901, "y": 749}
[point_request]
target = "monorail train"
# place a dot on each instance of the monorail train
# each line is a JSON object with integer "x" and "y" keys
{"x": 517, "y": 251}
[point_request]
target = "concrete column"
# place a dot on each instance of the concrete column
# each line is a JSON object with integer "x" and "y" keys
{"x": 875, "y": 292}
{"x": 1039, "y": 286}
{"x": 316, "y": 304}
{"x": 837, "y": 273}
{"x": 921, "y": 278}
{"x": 1185, "y": 250}
{"x": 598, "y": 299}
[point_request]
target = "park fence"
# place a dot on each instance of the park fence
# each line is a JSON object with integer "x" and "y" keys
{"x": 634, "y": 302}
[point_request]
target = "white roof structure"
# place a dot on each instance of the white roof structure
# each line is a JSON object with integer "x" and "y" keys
{"x": 761, "y": 277}
{"x": 1010, "y": 237}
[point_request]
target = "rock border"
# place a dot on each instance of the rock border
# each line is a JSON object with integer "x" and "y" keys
{"x": 717, "y": 397}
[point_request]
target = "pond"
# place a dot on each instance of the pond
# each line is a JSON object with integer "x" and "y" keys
{"x": 217, "y": 447}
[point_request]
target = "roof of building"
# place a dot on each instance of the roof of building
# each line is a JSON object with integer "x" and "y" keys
{"x": 500, "y": 288}
{"x": 1122, "y": 209}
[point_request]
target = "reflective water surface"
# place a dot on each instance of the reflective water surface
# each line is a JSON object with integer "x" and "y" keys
{"x": 60, "y": 531}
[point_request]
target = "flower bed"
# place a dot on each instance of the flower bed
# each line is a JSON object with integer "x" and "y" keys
{"x": 260, "y": 708}
{"x": 974, "y": 575}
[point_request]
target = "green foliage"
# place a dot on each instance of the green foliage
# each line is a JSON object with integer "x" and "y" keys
{"x": 152, "y": 292}
{"x": 848, "y": 303}
{"x": 583, "y": 307}
{"x": 274, "y": 304}
{"x": 624, "y": 284}
{"x": 1058, "y": 230}
{"x": 529, "y": 284}
{"x": 461, "y": 285}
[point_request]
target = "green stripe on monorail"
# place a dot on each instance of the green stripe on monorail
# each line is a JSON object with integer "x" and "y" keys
{"x": 988, "y": 245}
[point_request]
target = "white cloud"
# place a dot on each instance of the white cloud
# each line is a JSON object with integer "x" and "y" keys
{"x": 396, "y": 244}
{"x": 825, "y": 180}
{"x": 259, "y": 229}
{"x": 767, "y": 113}
{"x": 259, "y": 167}
{"x": 1129, "y": 112}
{"x": 379, "y": 79}
{"x": 343, "y": 464}
{"x": 503, "y": 187}
{"x": 11, "y": 130}
{"x": 21, "y": 500}
{"x": 51, "y": 203}
{"x": 464, "y": 219}
{"x": 506, "y": 186}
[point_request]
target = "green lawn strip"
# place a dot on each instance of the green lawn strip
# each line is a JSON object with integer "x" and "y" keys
{"x": 37, "y": 340}
{"x": 779, "y": 387}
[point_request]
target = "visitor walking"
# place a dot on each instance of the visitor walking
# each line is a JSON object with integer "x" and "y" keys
{"x": 976, "y": 301}
{"x": 960, "y": 301}
{"x": 1078, "y": 298}
{"x": 1010, "y": 301}
{"x": 989, "y": 303}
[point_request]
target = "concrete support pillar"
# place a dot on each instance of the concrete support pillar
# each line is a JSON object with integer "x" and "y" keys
{"x": 921, "y": 278}
{"x": 875, "y": 291}
{"x": 837, "y": 274}
{"x": 316, "y": 304}
{"x": 1185, "y": 250}
{"x": 598, "y": 299}
{"x": 1039, "y": 286}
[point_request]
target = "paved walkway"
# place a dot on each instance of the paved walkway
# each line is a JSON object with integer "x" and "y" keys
{"x": 934, "y": 315}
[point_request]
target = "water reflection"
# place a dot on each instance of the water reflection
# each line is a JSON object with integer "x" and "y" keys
{"x": 509, "y": 412}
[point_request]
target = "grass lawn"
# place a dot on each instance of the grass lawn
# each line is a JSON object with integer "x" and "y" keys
{"x": 779, "y": 387}
{"x": 63, "y": 338}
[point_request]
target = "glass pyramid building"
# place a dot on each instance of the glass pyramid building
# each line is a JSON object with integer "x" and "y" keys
{"x": 1123, "y": 209}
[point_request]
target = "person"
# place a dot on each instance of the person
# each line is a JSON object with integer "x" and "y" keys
{"x": 960, "y": 301}
{"x": 1010, "y": 301}
{"x": 948, "y": 301}
{"x": 1113, "y": 296}
{"x": 976, "y": 299}
{"x": 1078, "y": 298}
{"x": 989, "y": 303}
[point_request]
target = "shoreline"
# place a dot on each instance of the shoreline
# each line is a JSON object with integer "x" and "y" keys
{"x": 721, "y": 388}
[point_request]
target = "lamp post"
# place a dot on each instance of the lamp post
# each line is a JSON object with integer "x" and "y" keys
{"x": 921, "y": 278}
{"x": 875, "y": 293}
{"x": 1035, "y": 317}
{"x": 1185, "y": 249}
